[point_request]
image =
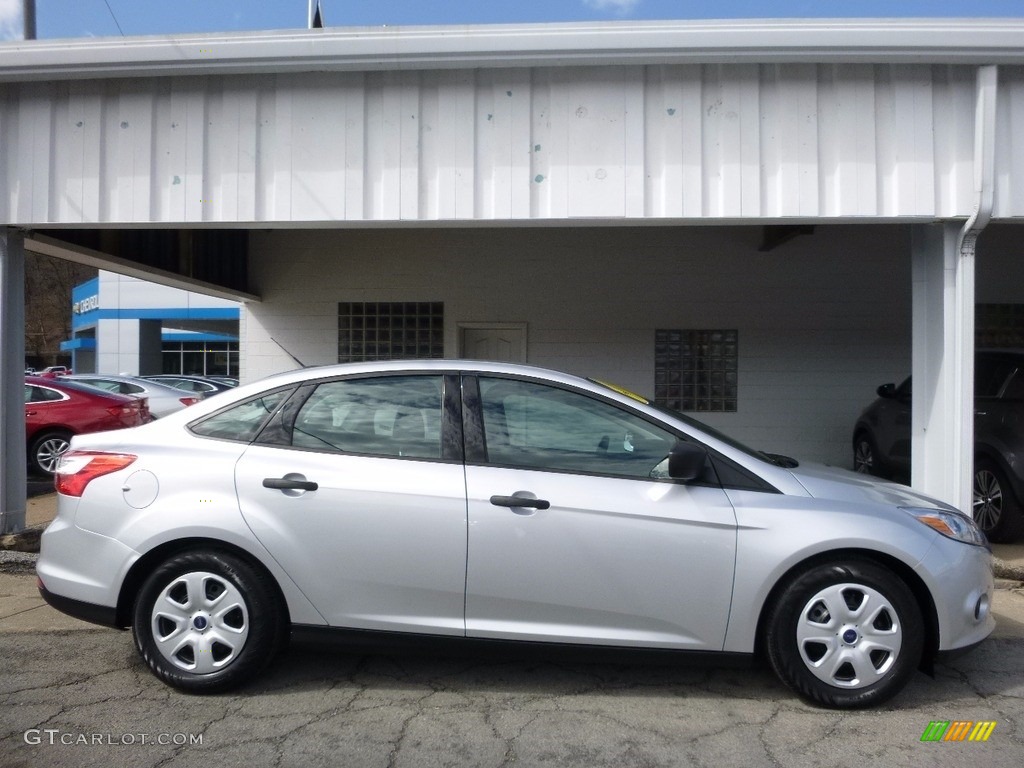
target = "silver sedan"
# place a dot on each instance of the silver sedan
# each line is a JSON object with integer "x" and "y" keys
{"x": 163, "y": 399}
{"x": 478, "y": 502}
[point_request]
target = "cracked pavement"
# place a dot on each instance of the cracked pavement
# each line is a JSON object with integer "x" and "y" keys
{"x": 82, "y": 697}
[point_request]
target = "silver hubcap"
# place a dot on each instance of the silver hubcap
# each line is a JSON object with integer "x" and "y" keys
{"x": 49, "y": 452}
{"x": 849, "y": 635}
{"x": 863, "y": 457}
{"x": 200, "y": 622}
{"x": 988, "y": 500}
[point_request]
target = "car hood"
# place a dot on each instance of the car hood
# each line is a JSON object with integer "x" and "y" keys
{"x": 825, "y": 482}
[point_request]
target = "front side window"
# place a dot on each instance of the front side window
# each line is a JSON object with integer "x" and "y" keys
{"x": 537, "y": 426}
{"x": 397, "y": 416}
{"x": 240, "y": 422}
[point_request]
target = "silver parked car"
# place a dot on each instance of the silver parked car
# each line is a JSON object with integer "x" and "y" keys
{"x": 483, "y": 501}
{"x": 163, "y": 398}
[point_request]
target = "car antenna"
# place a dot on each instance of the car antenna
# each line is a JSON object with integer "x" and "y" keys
{"x": 293, "y": 357}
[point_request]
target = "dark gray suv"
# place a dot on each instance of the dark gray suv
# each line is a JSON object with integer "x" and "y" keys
{"x": 881, "y": 440}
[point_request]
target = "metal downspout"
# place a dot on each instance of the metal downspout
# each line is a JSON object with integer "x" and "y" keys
{"x": 984, "y": 158}
{"x": 984, "y": 188}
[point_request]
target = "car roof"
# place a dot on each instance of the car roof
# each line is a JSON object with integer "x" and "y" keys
{"x": 156, "y": 385}
{"x": 434, "y": 365}
{"x": 64, "y": 383}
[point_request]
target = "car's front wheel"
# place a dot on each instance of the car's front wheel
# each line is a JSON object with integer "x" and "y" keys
{"x": 206, "y": 621}
{"x": 995, "y": 509}
{"x": 846, "y": 634}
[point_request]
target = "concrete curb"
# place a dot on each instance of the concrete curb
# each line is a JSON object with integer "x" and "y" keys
{"x": 1007, "y": 570}
{"x": 22, "y": 541}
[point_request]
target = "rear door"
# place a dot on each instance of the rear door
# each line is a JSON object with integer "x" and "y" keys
{"x": 357, "y": 489}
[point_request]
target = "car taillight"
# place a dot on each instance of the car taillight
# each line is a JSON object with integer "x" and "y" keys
{"x": 76, "y": 469}
{"x": 122, "y": 410}
{"x": 190, "y": 400}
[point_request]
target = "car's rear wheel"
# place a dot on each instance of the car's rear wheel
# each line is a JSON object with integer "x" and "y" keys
{"x": 995, "y": 509}
{"x": 47, "y": 449}
{"x": 846, "y": 634}
{"x": 207, "y": 621}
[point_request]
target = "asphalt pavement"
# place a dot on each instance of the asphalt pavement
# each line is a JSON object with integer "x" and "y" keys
{"x": 73, "y": 694}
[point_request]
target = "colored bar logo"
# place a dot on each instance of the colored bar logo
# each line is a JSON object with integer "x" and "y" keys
{"x": 958, "y": 730}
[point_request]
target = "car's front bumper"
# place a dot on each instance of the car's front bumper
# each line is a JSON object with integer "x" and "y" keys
{"x": 962, "y": 584}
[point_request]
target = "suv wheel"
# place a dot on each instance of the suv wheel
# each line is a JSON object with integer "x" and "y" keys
{"x": 995, "y": 509}
{"x": 865, "y": 457}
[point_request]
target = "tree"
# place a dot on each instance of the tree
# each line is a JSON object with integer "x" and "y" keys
{"x": 48, "y": 284}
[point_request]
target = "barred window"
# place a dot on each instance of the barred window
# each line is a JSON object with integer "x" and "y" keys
{"x": 696, "y": 370}
{"x": 390, "y": 330}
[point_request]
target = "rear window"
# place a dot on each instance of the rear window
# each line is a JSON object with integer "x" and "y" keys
{"x": 242, "y": 421}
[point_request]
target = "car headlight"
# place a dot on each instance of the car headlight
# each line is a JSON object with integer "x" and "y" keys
{"x": 952, "y": 524}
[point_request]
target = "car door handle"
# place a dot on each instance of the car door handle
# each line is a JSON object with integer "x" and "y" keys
{"x": 287, "y": 484}
{"x": 519, "y": 501}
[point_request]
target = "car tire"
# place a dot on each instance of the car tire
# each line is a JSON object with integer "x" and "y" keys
{"x": 865, "y": 456}
{"x": 846, "y": 634}
{"x": 996, "y": 511}
{"x": 46, "y": 450}
{"x": 207, "y": 621}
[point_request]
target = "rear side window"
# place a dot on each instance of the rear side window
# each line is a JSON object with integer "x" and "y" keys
{"x": 240, "y": 422}
{"x": 397, "y": 416}
{"x": 41, "y": 394}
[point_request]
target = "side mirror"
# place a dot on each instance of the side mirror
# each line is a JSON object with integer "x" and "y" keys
{"x": 886, "y": 390}
{"x": 686, "y": 461}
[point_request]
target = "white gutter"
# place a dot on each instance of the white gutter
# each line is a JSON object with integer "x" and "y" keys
{"x": 883, "y": 41}
{"x": 984, "y": 158}
{"x": 986, "y": 92}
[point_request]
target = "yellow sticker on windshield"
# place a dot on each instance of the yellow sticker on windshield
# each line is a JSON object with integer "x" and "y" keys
{"x": 623, "y": 391}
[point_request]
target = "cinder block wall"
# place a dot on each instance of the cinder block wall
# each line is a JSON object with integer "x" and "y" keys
{"x": 822, "y": 319}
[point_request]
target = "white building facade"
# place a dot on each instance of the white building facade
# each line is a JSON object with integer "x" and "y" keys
{"x": 121, "y": 324}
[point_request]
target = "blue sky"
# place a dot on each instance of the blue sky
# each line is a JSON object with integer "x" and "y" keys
{"x": 86, "y": 18}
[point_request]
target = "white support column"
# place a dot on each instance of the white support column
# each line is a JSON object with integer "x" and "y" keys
{"x": 942, "y": 435}
{"x": 12, "y": 383}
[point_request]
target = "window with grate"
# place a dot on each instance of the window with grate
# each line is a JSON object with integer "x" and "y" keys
{"x": 696, "y": 370}
{"x": 390, "y": 330}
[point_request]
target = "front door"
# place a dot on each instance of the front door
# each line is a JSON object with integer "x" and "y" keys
{"x": 577, "y": 534}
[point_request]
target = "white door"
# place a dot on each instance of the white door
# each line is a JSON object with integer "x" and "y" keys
{"x": 502, "y": 342}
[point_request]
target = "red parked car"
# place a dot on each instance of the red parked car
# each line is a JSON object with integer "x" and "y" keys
{"x": 57, "y": 410}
